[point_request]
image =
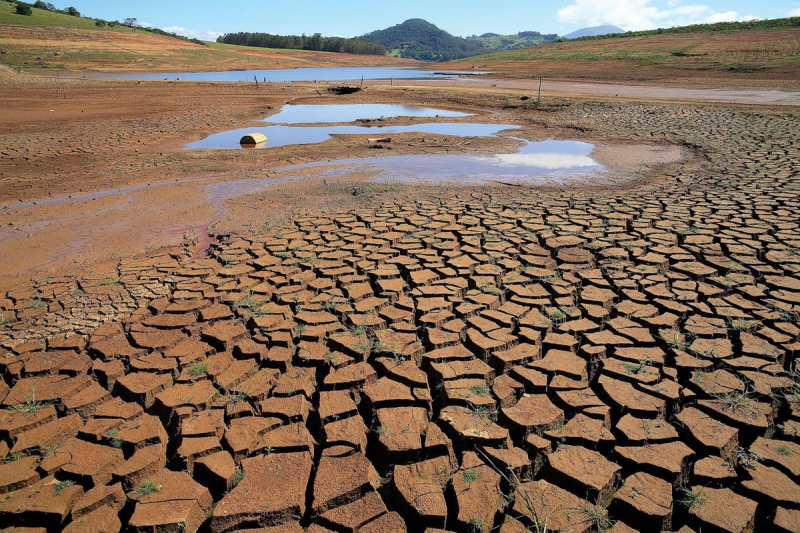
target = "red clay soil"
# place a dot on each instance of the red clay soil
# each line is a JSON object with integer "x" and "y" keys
{"x": 463, "y": 359}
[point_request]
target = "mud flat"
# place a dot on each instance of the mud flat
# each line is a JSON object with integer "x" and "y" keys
{"x": 355, "y": 356}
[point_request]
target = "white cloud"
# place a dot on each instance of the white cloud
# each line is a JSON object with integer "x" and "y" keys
{"x": 794, "y": 12}
{"x": 193, "y": 34}
{"x": 641, "y": 14}
{"x": 145, "y": 25}
{"x": 722, "y": 17}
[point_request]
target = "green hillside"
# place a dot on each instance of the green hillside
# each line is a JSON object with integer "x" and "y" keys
{"x": 42, "y": 17}
{"x": 492, "y": 42}
{"x": 45, "y": 17}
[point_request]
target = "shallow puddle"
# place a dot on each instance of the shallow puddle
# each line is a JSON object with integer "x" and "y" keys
{"x": 535, "y": 163}
{"x": 285, "y": 135}
{"x": 309, "y": 114}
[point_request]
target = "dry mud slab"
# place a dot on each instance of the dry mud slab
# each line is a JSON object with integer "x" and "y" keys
{"x": 473, "y": 360}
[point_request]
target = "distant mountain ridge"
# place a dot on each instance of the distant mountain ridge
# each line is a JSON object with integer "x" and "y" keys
{"x": 419, "y": 39}
{"x": 593, "y": 31}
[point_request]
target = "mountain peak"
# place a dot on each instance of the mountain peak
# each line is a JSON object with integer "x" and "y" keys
{"x": 419, "y": 39}
{"x": 605, "y": 29}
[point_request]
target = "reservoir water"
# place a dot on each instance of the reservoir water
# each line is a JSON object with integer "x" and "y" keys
{"x": 299, "y": 74}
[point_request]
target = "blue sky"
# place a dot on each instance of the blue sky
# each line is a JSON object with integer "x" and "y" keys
{"x": 206, "y": 19}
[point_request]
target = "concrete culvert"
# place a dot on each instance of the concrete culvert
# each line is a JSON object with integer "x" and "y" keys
{"x": 253, "y": 139}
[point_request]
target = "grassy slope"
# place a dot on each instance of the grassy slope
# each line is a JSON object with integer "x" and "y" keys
{"x": 655, "y": 56}
{"x": 48, "y": 40}
{"x": 42, "y": 17}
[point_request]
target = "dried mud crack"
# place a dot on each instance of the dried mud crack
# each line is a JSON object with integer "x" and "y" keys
{"x": 497, "y": 359}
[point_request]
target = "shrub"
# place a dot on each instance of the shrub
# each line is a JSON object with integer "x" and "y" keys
{"x": 24, "y": 9}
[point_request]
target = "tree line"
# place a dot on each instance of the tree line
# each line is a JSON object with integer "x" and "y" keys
{"x": 353, "y": 45}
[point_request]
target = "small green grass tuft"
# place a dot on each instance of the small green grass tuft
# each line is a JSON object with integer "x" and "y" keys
{"x": 61, "y": 485}
{"x": 147, "y": 487}
{"x": 783, "y": 450}
{"x": 596, "y": 516}
{"x": 475, "y": 526}
{"x": 30, "y": 405}
{"x": 631, "y": 368}
{"x": 198, "y": 369}
{"x": 692, "y": 500}
{"x": 237, "y": 477}
{"x": 480, "y": 390}
{"x": 734, "y": 401}
{"x": 112, "y": 434}
{"x": 470, "y": 476}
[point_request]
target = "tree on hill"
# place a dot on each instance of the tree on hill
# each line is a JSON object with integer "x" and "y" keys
{"x": 24, "y": 9}
{"x": 72, "y": 12}
{"x": 130, "y": 22}
{"x": 47, "y": 6}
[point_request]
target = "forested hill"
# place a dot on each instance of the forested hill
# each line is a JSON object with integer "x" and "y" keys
{"x": 355, "y": 45}
{"x": 419, "y": 39}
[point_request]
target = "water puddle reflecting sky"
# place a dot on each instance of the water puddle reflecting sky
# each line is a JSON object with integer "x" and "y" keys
{"x": 285, "y": 135}
{"x": 310, "y": 114}
{"x": 536, "y": 163}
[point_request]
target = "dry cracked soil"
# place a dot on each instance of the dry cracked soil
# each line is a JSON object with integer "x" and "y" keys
{"x": 615, "y": 357}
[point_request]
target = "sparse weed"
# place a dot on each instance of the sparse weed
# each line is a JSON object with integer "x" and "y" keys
{"x": 45, "y": 451}
{"x": 238, "y": 476}
{"x": 470, "y": 476}
{"x": 365, "y": 347}
{"x": 115, "y": 441}
{"x": 595, "y": 515}
{"x": 734, "y": 401}
{"x": 30, "y": 405}
{"x": 675, "y": 339}
{"x": 634, "y": 369}
{"x": 442, "y": 476}
{"x": 61, "y": 485}
{"x": 481, "y": 390}
{"x": 692, "y": 500}
{"x": 11, "y": 457}
{"x": 37, "y": 303}
{"x": 233, "y": 397}
{"x": 198, "y": 369}
{"x": 747, "y": 459}
{"x": 747, "y": 326}
{"x": 475, "y": 526}
{"x": 146, "y": 488}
